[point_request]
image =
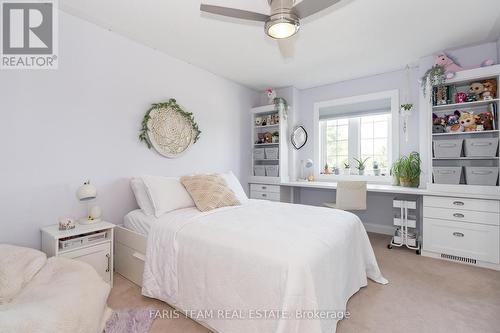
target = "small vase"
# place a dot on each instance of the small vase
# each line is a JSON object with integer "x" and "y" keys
{"x": 376, "y": 172}
{"x": 406, "y": 182}
{"x": 361, "y": 172}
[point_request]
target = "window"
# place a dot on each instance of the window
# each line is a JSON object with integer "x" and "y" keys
{"x": 344, "y": 139}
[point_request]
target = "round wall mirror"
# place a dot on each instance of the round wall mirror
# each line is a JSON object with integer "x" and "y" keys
{"x": 299, "y": 137}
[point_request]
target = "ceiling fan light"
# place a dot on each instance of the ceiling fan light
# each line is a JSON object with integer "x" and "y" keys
{"x": 282, "y": 27}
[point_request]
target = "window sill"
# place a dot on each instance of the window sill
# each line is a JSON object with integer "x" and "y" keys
{"x": 368, "y": 178}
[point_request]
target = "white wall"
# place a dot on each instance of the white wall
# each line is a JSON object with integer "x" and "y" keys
{"x": 58, "y": 128}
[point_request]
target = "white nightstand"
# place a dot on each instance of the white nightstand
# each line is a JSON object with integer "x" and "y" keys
{"x": 91, "y": 243}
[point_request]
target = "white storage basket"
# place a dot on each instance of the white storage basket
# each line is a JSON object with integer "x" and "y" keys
{"x": 447, "y": 175}
{"x": 481, "y": 175}
{"x": 272, "y": 170}
{"x": 272, "y": 153}
{"x": 447, "y": 148}
{"x": 259, "y": 170}
{"x": 482, "y": 147}
{"x": 258, "y": 153}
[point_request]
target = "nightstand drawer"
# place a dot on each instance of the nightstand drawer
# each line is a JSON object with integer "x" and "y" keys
{"x": 460, "y": 215}
{"x": 265, "y": 195}
{"x": 469, "y": 240}
{"x": 98, "y": 256}
{"x": 492, "y": 206}
{"x": 265, "y": 188}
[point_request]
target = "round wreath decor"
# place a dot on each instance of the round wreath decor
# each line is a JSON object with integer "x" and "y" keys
{"x": 169, "y": 129}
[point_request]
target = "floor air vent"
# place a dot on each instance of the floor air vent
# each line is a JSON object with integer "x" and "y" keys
{"x": 457, "y": 258}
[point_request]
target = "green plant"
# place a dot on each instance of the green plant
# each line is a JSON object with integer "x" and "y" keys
{"x": 407, "y": 107}
{"x": 361, "y": 163}
{"x": 347, "y": 165}
{"x": 407, "y": 169}
{"x": 375, "y": 165}
{"x": 171, "y": 103}
{"x": 435, "y": 76}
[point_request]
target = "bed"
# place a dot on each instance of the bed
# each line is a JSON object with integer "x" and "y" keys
{"x": 259, "y": 267}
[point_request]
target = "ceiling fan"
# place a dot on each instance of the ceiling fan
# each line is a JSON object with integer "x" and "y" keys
{"x": 284, "y": 19}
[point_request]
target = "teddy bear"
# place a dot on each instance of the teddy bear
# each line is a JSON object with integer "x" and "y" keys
{"x": 468, "y": 121}
{"x": 490, "y": 89}
{"x": 438, "y": 124}
{"x": 476, "y": 88}
{"x": 268, "y": 137}
{"x": 484, "y": 121}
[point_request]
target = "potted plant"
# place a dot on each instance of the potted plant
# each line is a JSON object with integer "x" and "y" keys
{"x": 361, "y": 165}
{"x": 347, "y": 168}
{"x": 376, "y": 170}
{"x": 409, "y": 170}
{"x": 327, "y": 169}
{"x": 395, "y": 173}
{"x": 276, "y": 137}
{"x": 435, "y": 76}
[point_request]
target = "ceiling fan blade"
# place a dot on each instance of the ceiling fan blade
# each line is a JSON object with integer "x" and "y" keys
{"x": 236, "y": 13}
{"x": 308, "y": 7}
{"x": 287, "y": 47}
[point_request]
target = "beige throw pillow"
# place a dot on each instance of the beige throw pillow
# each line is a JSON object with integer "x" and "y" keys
{"x": 209, "y": 192}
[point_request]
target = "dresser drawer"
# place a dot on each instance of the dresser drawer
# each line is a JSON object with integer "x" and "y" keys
{"x": 265, "y": 188}
{"x": 461, "y": 215}
{"x": 469, "y": 240}
{"x": 265, "y": 195}
{"x": 492, "y": 206}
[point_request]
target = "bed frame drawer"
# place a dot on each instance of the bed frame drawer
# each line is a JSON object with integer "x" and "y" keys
{"x": 468, "y": 240}
{"x": 460, "y": 215}
{"x": 492, "y": 206}
{"x": 129, "y": 263}
{"x": 265, "y": 188}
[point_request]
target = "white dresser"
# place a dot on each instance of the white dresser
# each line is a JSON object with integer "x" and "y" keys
{"x": 462, "y": 229}
{"x": 265, "y": 192}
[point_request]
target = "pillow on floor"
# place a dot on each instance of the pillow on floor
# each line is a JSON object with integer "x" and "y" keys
{"x": 18, "y": 265}
{"x": 209, "y": 192}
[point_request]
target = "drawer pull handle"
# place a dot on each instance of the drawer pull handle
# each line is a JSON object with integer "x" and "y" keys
{"x": 108, "y": 256}
{"x": 458, "y": 234}
{"x": 264, "y": 195}
{"x": 139, "y": 256}
{"x": 458, "y": 203}
{"x": 264, "y": 187}
{"x": 459, "y": 215}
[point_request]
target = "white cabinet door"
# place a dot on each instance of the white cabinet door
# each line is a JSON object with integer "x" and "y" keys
{"x": 98, "y": 256}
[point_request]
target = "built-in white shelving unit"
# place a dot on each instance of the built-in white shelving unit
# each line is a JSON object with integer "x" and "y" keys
{"x": 466, "y": 166}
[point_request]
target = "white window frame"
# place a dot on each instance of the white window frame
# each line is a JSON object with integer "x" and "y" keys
{"x": 393, "y": 95}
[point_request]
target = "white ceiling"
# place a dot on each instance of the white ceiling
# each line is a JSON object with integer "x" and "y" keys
{"x": 352, "y": 39}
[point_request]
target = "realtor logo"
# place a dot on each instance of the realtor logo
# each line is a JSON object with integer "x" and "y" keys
{"x": 29, "y": 34}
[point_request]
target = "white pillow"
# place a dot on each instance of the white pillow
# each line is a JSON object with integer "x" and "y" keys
{"x": 234, "y": 184}
{"x": 141, "y": 196}
{"x": 18, "y": 265}
{"x": 166, "y": 194}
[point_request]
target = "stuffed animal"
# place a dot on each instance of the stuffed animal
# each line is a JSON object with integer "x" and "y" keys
{"x": 460, "y": 97}
{"x": 485, "y": 120}
{"x": 271, "y": 95}
{"x": 268, "y": 137}
{"x": 438, "y": 124}
{"x": 490, "y": 89}
{"x": 468, "y": 121}
{"x": 471, "y": 97}
{"x": 453, "y": 123}
{"x": 451, "y": 66}
{"x": 476, "y": 88}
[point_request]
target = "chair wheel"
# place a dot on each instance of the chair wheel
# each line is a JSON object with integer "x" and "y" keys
{"x": 389, "y": 246}
{"x": 417, "y": 252}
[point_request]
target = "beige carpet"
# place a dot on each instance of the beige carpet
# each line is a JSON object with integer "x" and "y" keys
{"x": 423, "y": 295}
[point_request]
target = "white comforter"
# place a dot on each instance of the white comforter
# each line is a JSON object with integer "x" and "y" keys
{"x": 259, "y": 267}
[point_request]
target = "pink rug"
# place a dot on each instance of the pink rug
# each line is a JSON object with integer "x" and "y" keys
{"x": 130, "y": 321}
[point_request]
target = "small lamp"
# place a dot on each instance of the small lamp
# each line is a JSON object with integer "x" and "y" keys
{"x": 88, "y": 192}
{"x": 306, "y": 164}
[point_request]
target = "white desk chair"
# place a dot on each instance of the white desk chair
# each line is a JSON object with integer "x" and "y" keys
{"x": 350, "y": 196}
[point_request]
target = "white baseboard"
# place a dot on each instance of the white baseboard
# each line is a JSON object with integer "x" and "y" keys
{"x": 379, "y": 228}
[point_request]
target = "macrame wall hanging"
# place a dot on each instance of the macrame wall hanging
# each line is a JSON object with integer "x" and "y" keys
{"x": 169, "y": 129}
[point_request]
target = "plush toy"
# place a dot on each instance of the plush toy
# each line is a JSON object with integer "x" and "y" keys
{"x": 460, "y": 97}
{"x": 438, "y": 124}
{"x": 485, "y": 120}
{"x": 471, "y": 97}
{"x": 268, "y": 137}
{"x": 476, "y": 88}
{"x": 271, "y": 95}
{"x": 468, "y": 121}
{"x": 490, "y": 89}
{"x": 453, "y": 123}
{"x": 451, "y": 66}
